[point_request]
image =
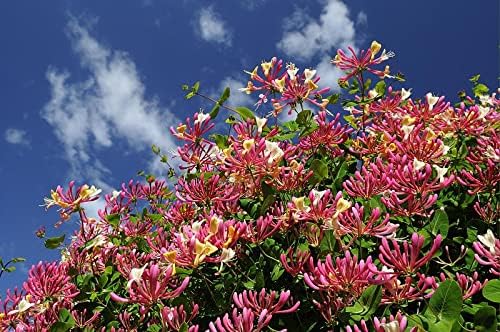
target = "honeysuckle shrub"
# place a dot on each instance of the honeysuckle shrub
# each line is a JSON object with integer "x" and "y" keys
{"x": 366, "y": 210}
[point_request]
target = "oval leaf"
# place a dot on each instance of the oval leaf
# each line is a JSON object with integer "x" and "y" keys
{"x": 446, "y": 302}
{"x": 54, "y": 242}
{"x": 492, "y": 291}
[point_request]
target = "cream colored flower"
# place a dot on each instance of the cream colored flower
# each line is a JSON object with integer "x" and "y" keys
{"x": 488, "y": 240}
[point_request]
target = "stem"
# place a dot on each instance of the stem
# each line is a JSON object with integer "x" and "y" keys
{"x": 216, "y": 102}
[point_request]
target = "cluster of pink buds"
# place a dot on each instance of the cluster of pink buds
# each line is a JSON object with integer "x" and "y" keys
{"x": 294, "y": 89}
{"x": 407, "y": 260}
{"x": 69, "y": 201}
{"x": 149, "y": 285}
{"x": 355, "y": 64}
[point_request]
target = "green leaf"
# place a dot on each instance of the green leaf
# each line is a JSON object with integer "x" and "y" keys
{"x": 61, "y": 327}
{"x": 446, "y": 302}
{"x": 259, "y": 280}
{"x": 491, "y": 291}
{"x": 245, "y": 113}
{"x": 276, "y": 272}
{"x": 195, "y": 87}
{"x": 333, "y": 99}
{"x": 475, "y": 78}
{"x": 215, "y": 110}
{"x": 284, "y": 137}
{"x": 190, "y": 95}
{"x": 439, "y": 223}
{"x": 155, "y": 149}
{"x": 250, "y": 284}
{"x": 380, "y": 88}
{"x": 320, "y": 170}
{"x": 18, "y": 260}
{"x": 225, "y": 95}
{"x": 185, "y": 87}
{"x": 480, "y": 90}
{"x": 419, "y": 321}
{"x": 220, "y": 140}
{"x": 304, "y": 117}
{"x": 485, "y": 319}
{"x": 367, "y": 304}
{"x": 54, "y": 242}
{"x": 184, "y": 327}
{"x": 10, "y": 269}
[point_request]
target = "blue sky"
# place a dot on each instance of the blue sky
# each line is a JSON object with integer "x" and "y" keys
{"x": 88, "y": 86}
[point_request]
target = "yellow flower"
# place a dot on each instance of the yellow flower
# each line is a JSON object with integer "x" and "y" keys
{"x": 299, "y": 203}
{"x": 214, "y": 225}
{"x": 55, "y": 200}
{"x": 252, "y": 74}
{"x": 280, "y": 84}
{"x": 342, "y": 205}
{"x": 248, "y": 144}
{"x": 181, "y": 129}
{"x": 87, "y": 193}
{"x": 375, "y": 48}
{"x": 266, "y": 66}
{"x": 170, "y": 256}
{"x": 203, "y": 250}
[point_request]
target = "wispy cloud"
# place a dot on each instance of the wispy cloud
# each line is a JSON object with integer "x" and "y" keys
{"x": 108, "y": 108}
{"x": 16, "y": 136}
{"x": 306, "y": 38}
{"x": 212, "y": 28}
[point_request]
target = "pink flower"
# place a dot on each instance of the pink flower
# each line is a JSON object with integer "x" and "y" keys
{"x": 407, "y": 261}
{"x": 174, "y": 318}
{"x": 294, "y": 262}
{"x": 354, "y": 64}
{"x": 488, "y": 251}
{"x": 240, "y": 322}
{"x": 353, "y": 222}
{"x": 346, "y": 275}
{"x": 153, "y": 285}
{"x": 258, "y": 302}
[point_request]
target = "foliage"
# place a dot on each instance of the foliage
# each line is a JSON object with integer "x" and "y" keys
{"x": 365, "y": 210}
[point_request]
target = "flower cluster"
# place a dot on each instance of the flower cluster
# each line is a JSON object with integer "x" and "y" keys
{"x": 363, "y": 220}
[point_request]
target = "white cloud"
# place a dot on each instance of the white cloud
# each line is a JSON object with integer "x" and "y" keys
{"x": 108, "y": 108}
{"x": 212, "y": 28}
{"x": 361, "y": 19}
{"x": 333, "y": 29}
{"x": 306, "y": 39}
{"x": 16, "y": 136}
{"x": 329, "y": 73}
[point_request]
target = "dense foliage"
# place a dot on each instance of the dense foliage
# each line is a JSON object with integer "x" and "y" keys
{"x": 366, "y": 210}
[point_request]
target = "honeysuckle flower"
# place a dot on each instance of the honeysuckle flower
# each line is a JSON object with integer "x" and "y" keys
{"x": 279, "y": 84}
{"x": 23, "y": 306}
{"x": 431, "y": 100}
{"x": 175, "y": 317}
{"x": 418, "y": 165}
{"x": 248, "y": 144}
{"x": 375, "y": 48}
{"x": 405, "y": 94}
{"x": 309, "y": 74}
{"x": 260, "y": 122}
{"x": 488, "y": 240}
{"x": 249, "y": 88}
{"x": 135, "y": 275}
{"x": 274, "y": 151}
{"x": 407, "y": 261}
{"x": 291, "y": 70}
{"x": 260, "y": 301}
{"x": 266, "y": 66}
{"x": 441, "y": 172}
{"x": 203, "y": 250}
{"x": 489, "y": 256}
